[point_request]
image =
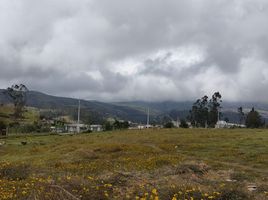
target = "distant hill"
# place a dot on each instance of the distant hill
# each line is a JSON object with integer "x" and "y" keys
{"x": 136, "y": 111}
{"x": 91, "y": 111}
{"x": 180, "y": 110}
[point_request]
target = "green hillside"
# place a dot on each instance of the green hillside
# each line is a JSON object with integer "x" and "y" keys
{"x": 97, "y": 112}
{"x": 91, "y": 111}
{"x": 30, "y": 114}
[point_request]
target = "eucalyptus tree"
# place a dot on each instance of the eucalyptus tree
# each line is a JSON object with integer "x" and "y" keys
{"x": 17, "y": 94}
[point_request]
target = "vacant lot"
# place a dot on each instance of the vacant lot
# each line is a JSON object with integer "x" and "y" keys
{"x": 144, "y": 164}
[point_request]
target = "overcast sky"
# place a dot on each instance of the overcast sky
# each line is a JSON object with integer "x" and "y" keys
{"x": 153, "y": 50}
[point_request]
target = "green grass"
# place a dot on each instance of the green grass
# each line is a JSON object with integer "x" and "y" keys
{"x": 29, "y": 116}
{"x": 5, "y": 113}
{"x": 136, "y": 162}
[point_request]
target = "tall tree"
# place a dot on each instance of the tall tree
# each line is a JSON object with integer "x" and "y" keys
{"x": 241, "y": 114}
{"x": 214, "y": 109}
{"x": 17, "y": 94}
{"x": 199, "y": 112}
{"x": 205, "y": 112}
{"x": 253, "y": 119}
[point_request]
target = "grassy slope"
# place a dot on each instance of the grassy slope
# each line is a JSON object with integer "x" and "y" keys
{"x": 29, "y": 116}
{"x": 135, "y": 162}
{"x": 5, "y": 113}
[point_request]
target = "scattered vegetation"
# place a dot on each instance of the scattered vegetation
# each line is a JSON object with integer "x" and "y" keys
{"x": 175, "y": 164}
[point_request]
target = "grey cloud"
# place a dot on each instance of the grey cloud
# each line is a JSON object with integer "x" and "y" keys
{"x": 68, "y": 47}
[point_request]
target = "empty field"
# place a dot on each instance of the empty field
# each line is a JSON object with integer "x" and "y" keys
{"x": 142, "y": 164}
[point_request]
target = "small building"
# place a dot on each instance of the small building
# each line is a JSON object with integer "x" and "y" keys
{"x": 55, "y": 129}
{"x": 96, "y": 128}
{"x": 148, "y": 126}
{"x": 176, "y": 123}
{"x": 224, "y": 124}
{"x": 75, "y": 128}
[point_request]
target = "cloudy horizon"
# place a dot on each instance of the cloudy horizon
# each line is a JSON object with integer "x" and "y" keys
{"x": 154, "y": 50}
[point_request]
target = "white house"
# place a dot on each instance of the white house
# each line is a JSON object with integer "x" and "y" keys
{"x": 224, "y": 124}
{"x": 96, "y": 128}
{"x": 74, "y": 128}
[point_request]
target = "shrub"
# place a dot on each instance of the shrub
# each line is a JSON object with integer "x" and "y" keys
{"x": 169, "y": 125}
{"x": 184, "y": 124}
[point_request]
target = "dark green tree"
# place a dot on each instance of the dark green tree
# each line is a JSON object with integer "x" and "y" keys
{"x": 199, "y": 112}
{"x": 205, "y": 112}
{"x": 169, "y": 125}
{"x": 184, "y": 124}
{"x": 253, "y": 119}
{"x": 121, "y": 124}
{"x": 241, "y": 115}
{"x": 214, "y": 109}
{"x": 108, "y": 126}
{"x": 17, "y": 93}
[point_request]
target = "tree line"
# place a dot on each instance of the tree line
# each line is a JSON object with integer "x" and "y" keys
{"x": 206, "y": 112}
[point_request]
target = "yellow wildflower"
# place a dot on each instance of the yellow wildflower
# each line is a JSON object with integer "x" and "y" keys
{"x": 154, "y": 191}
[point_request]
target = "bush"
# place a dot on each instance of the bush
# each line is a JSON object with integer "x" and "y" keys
{"x": 169, "y": 125}
{"x": 28, "y": 128}
{"x": 184, "y": 124}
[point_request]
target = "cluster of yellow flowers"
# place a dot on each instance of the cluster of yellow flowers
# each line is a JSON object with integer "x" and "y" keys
{"x": 86, "y": 185}
{"x": 153, "y": 195}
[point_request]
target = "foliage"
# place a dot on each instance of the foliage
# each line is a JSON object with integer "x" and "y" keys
{"x": 115, "y": 125}
{"x": 120, "y": 124}
{"x": 107, "y": 126}
{"x": 35, "y": 127}
{"x": 169, "y": 125}
{"x": 214, "y": 106}
{"x": 17, "y": 94}
{"x": 205, "y": 112}
{"x": 184, "y": 124}
{"x": 253, "y": 119}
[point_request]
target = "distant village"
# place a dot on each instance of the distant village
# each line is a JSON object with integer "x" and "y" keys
{"x": 77, "y": 127}
{"x": 205, "y": 113}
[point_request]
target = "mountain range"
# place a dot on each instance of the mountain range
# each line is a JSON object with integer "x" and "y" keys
{"x": 136, "y": 111}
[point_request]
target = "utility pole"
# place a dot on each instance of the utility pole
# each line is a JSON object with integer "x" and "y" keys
{"x": 219, "y": 115}
{"x": 148, "y": 117}
{"x": 78, "y": 117}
